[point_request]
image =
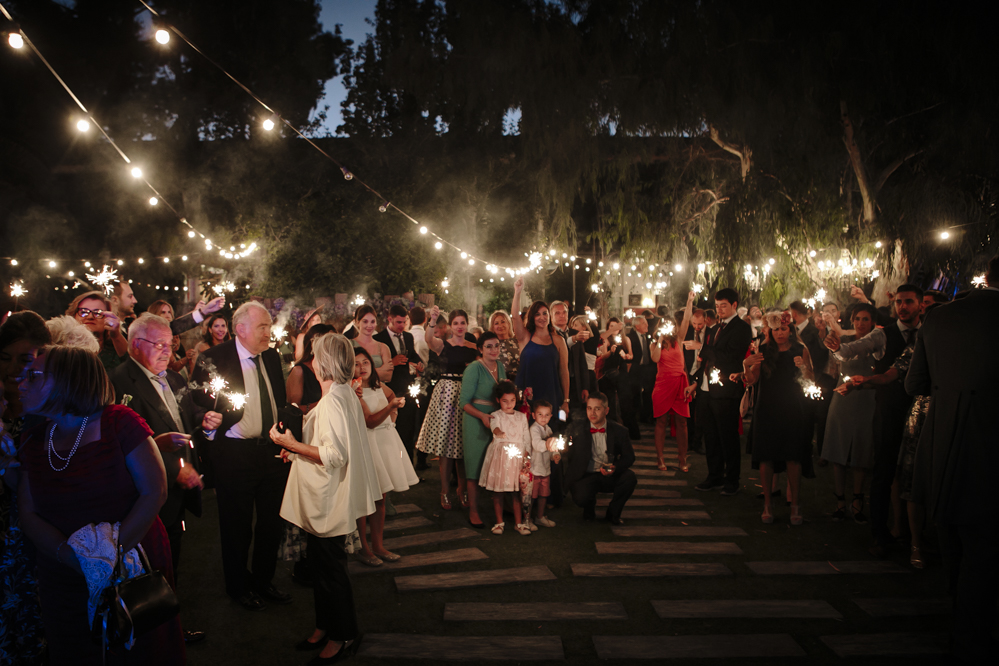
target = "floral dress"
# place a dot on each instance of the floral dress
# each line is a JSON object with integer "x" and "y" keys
{"x": 510, "y": 357}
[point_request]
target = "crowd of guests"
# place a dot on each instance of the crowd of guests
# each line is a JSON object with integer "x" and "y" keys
{"x": 109, "y": 422}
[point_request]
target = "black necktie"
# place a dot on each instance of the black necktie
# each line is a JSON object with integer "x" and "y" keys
{"x": 266, "y": 413}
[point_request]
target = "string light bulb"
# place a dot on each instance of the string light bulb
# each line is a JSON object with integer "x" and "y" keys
{"x": 190, "y": 234}
{"x": 268, "y": 124}
{"x": 121, "y": 263}
{"x": 877, "y": 245}
{"x": 52, "y": 264}
{"x": 383, "y": 207}
{"x": 163, "y": 36}
{"x": 944, "y": 235}
{"x": 15, "y": 40}
{"x": 423, "y": 230}
{"x": 347, "y": 175}
{"x": 83, "y": 125}
{"x": 141, "y": 260}
{"x": 136, "y": 172}
{"x": 13, "y": 262}
{"x": 438, "y": 245}
{"x": 166, "y": 260}
{"x": 153, "y": 201}
{"x": 464, "y": 255}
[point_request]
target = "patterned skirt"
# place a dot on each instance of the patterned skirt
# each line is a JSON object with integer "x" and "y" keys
{"x": 441, "y": 431}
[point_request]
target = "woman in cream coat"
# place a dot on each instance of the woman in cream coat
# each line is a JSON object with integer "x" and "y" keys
{"x": 332, "y": 483}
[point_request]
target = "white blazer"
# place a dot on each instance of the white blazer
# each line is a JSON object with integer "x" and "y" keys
{"x": 327, "y": 499}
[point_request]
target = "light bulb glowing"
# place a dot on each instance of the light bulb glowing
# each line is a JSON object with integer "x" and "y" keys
{"x": 15, "y": 40}
{"x": 162, "y": 36}
{"x": 771, "y": 261}
{"x": 471, "y": 262}
{"x": 464, "y": 255}
{"x": 121, "y": 263}
{"x": 190, "y": 234}
{"x": 13, "y": 262}
{"x": 383, "y": 207}
{"x": 136, "y": 172}
{"x": 141, "y": 260}
{"x": 878, "y": 245}
{"x": 346, "y": 174}
{"x": 153, "y": 201}
{"x": 52, "y": 264}
{"x": 268, "y": 124}
{"x": 812, "y": 253}
{"x": 438, "y": 245}
{"x": 944, "y": 235}
{"x": 83, "y": 125}
{"x": 423, "y": 230}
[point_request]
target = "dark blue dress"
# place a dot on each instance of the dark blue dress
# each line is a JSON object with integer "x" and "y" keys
{"x": 539, "y": 371}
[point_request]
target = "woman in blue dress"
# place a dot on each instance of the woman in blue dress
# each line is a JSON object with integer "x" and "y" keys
{"x": 544, "y": 359}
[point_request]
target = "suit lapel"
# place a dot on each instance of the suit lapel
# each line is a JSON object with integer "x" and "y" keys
{"x": 150, "y": 395}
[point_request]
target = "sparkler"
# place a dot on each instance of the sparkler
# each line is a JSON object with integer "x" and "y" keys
{"x": 716, "y": 376}
{"x": 16, "y": 291}
{"x": 559, "y": 445}
{"x": 846, "y": 380}
{"x": 513, "y": 450}
{"x": 359, "y": 300}
{"x": 105, "y": 279}
{"x": 698, "y": 288}
{"x": 591, "y": 315}
{"x": 223, "y": 287}
{"x": 617, "y": 339}
{"x": 812, "y": 391}
{"x": 238, "y": 400}
{"x": 629, "y": 314}
{"x": 414, "y": 392}
{"x": 978, "y": 281}
{"x": 278, "y": 332}
{"x": 666, "y": 329}
{"x": 216, "y": 385}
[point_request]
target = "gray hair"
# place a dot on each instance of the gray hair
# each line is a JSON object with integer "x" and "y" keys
{"x": 242, "y": 313}
{"x": 555, "y": 304}
{"x": 333, "y": 358}
{"x": 147, "y": 320}
{"x": 67, "y": 332}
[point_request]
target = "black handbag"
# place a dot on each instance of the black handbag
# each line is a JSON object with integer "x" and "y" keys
{"x": 131, "y": 607}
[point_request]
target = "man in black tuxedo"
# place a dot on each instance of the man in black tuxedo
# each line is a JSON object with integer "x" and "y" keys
{"x": 248, "y": 473}
{"x": 696, "y": 335}
{"x": 123, "y": 302}
{"x": 403, "y": 349}
{"x": 724, "y": 351}
{"x": 642, "y": 373}
{"x": 813, "y": 340}
{"x": 956, "y": 361}
{"x": 153, "y": 392}
{"x": 600, "y": 461}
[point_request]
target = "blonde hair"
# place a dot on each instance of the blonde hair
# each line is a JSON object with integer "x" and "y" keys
{"x": 505, "y": 316}
{"x": 67, "y": 332}
{"x": 333, "y": 358}
{"x": 80, "y": 385}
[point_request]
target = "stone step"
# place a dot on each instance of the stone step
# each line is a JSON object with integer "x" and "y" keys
{"x": 662, "y": 482}
{"x": 667, "y": 548}
{"x": 638, "y": 514}
{"x": 406, "y": 508}
{"x": 451, "y": 581}
{"x": 462, "y": 648}
{"x": 650, "y": 569}
{"x": 887, "y": 645}
{"x": 420, "y": 560}
{"x": 745, "y": 608}
{"x": 677, "y": 531}
{"x": 652, "y": 472}
{"x": 430, "y": 537}
{"x": 534, "y": 611}
{"x": 904, "y": 607}
{"x": 605, "y": 501}
{"x": 666, "y": 494}
{"x": 404, "y": 523}
{"x": 825, "y": 568}
{"x": 719, "y": 646}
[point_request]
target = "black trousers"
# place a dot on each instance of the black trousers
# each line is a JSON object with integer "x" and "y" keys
{"x": 405, "y": 423}
{"x": 723, "y": 451}
{"x": 333, "y": 594}
{"x": 629, "y": 396}
{"x": 700, "y": 413}
{"x": 175, "y": 532}
{"x": 647, "y": 383}
{"x": 971, "y": 557}
{"x": 889, "y": 429}
{"x": 608, "y": 385}
{"x": 248, "y": 478}
{"x": 621, "y": 484}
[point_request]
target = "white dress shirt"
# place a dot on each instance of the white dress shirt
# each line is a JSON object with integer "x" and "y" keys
{"x": 249, "y": 426}
{"x": 420, "y": 345}
{"x": 599, "y": 453}
{"x": 873, "y": 343}
{"x": 706, "y": 379}
{"x": 170, "y": 401}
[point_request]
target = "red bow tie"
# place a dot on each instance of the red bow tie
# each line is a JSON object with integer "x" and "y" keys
{"x": 593, "y": 430}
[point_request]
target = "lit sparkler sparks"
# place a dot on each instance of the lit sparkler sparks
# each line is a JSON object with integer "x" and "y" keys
{"x": 595, "y": 288}
{"x": 666, "y": 329}
{"x": 812, "y": 391}
{"x": 820, "y": 295}
{"x": 512, "y": 450}
{"x": 629, "y": 314}
{"x": 617, "y": 339}
{"x": 105, "y": 279}
{"x": 217, "y": 384}
{"x": 591, "y": 315}
{"x": 716, "y": 376}
{"x": 238, "y": 400}
{"x": 846, "y": 380}
{"x": 414, "y": 392}
{"x": 359, "y": 300}
{"x": 17, "y": 290}
{"x": 978, "y": 281}
{"x": 698, "y": 288}
{"x": 278, "y": 332}
{"x": 559, "y": 445}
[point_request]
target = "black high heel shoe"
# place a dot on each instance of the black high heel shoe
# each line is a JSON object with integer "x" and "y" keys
{"x": 308, "y": 646}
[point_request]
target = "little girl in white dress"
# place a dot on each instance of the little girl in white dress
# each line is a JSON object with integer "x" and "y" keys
{"x": 507, "y": 454}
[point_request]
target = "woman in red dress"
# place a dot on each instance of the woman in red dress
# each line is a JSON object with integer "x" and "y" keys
{"x": 672, "y": 392}
{"x": 88, "y": 461}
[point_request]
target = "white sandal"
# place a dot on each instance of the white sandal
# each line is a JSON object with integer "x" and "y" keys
{"x": 498, "y": 528}
{"x": 523, "y": 529}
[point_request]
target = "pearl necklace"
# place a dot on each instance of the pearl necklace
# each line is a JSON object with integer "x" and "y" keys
{"x": 51, "y": 447}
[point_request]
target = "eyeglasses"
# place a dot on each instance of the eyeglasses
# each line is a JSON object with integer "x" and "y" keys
{"x": 87, "y": 312}
{"x": 158, "y": 346}
{"x": 488, "y": 346}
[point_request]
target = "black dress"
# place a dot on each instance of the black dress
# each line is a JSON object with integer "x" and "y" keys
{"x": 779, "y": 432}
{"x": 312, "y": 391}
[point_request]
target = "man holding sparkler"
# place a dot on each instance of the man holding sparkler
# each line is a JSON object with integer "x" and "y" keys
{"x": 248, "y": 475}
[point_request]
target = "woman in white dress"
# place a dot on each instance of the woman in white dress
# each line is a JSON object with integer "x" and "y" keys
{"x": 394, "y": 469}
{"x": 332, "y": 482}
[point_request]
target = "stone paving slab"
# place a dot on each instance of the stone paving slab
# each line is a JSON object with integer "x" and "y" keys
{"x": 450, "y": 581}
{"x": 651, "y": 472}
{"x": 405, "y": 523}
{"x": 746, "y": 608}
{"x": 719, "y": 646}
{"x": 462, "y": 648}
{"x": 431, "y": 537}
{"x": 638, "y": 514}
{"x": 677, "y": 531}
{"x": 534, "y": 611}
{"x": 662, "y": 482}
{"x": 667, "y": 548}
{"x": 650, "y": 569}
{"x": 677, "y": 501}
{"x": 824, "y": 568}
{"x": 646, "y": 492}
{"x": 420, "y": 560}
{"x": 884, "y": 645}
{"x": 903, "y": 607}
{"x": 406, "y": 508}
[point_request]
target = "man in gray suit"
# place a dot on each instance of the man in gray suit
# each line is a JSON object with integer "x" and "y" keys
{"x": 956, "y": 361}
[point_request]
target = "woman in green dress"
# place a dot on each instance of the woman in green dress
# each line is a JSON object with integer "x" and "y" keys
{"x": 477, "y": 384}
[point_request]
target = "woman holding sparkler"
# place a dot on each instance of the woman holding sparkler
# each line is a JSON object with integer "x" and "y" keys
{"x": 614, "y": 351}
{"x": 672, "y": 392}
{"x": 93, "y": 310}
{"x": 780, "y": 436}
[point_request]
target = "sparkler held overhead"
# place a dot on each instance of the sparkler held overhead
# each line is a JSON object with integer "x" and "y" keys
{"x": 105, "y": 279}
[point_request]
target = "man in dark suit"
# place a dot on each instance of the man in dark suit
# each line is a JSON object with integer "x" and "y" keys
{"x": 813, "y": 340}
{"x": 642, "y": 373}
{"x": 956, "y": 361}
{"x": 724, "y": 351}
{"x": 600, "y": 461}
{"x": 696, "y": 335}
{"x": 123, "y": 302}
{"x": 403, "y": 349}
{"x": 249, "y": 476}
{"x": 152, "y": 392}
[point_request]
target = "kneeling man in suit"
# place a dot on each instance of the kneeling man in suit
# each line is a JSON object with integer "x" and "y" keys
{"x": 600, "y": 461}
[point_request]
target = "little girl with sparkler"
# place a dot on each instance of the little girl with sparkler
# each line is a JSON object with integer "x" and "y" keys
{"x": 547, "y": 449}
{"x": 508, "y": 454}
